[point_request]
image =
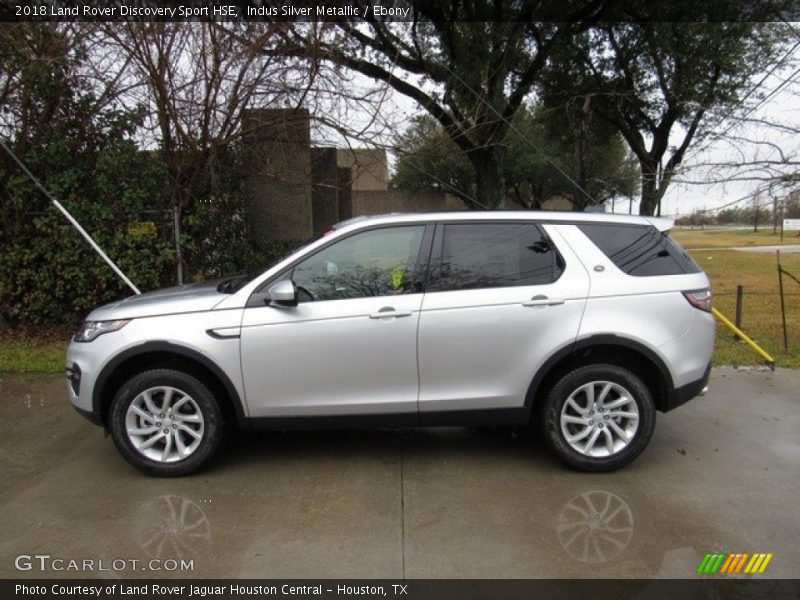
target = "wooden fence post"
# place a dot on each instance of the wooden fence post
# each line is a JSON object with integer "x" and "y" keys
{"x": 783, "y": 304}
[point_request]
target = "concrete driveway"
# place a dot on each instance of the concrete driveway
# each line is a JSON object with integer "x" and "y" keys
{"x": 721, "y": 474}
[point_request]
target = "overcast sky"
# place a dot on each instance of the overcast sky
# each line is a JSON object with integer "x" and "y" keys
{"x": 777, "y": 101}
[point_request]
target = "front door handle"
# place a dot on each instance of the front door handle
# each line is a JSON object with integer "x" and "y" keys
{"x": 388, "y": 312}
{"x": 542, "y": 300}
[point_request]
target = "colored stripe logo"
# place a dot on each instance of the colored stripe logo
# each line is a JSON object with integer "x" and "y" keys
{"x": 736, "y": 562}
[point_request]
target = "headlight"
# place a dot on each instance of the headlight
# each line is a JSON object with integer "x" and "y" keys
{"x": 91, "y": 329}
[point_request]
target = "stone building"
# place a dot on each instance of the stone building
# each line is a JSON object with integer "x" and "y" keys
{"x": 296, "y": 190}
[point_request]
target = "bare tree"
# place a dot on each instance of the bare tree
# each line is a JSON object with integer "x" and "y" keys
{"x": 195, "y": 80}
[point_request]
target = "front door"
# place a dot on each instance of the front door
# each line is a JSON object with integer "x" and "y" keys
{"x": 350, "y": 345}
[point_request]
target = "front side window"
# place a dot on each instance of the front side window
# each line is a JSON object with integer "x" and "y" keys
{"x": 486, "y": 255}
{"x": 379, "y": 262}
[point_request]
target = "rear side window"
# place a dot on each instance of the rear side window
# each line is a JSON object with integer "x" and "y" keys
{"x": 486, "y": 255}
{"x": 640, "y": 250}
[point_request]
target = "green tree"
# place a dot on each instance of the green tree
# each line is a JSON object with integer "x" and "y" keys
{"x": 663, "y": 82}
{"x": 61, "y": 118}
{"x": 469, "y": 64}
{"x": 81, "y": 149}
{"x": 791, "y": 206}
{"x": 545, "y": 158}
{"x": 427, "y": 158}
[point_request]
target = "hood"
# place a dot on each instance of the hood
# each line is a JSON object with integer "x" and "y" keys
{"x": 192, "y": 297}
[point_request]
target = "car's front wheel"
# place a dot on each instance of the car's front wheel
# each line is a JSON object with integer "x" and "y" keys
{"x": 166, "y": 422}
{"x": 598, "y": 417}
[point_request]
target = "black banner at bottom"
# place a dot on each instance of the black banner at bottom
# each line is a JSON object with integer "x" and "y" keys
{"x": 410, "y": 589}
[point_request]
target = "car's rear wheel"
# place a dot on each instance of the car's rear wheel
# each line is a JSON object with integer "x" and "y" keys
{"x": 598, "y": 417}
{"x": 166, "y": 422}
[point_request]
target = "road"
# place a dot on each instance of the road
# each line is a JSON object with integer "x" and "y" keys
{"x": 721, "y": 474}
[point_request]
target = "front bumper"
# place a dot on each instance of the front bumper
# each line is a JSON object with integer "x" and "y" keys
{"x": 84, "y": 361}
{"x": 94, "y": 418}
{"x": 74, "y": 375}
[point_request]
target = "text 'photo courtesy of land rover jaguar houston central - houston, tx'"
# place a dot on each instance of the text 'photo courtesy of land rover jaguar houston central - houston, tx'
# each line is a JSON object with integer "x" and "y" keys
{"x": 583, "y": 325}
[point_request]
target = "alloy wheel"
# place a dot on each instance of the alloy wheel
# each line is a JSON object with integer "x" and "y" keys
{"x": 599, "y": 419}
{"x": 164, "y": 424}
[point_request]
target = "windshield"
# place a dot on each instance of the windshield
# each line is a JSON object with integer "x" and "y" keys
{"x": 231, "y": 285}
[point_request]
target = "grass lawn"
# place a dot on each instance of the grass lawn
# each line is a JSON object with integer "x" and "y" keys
{"x": 726, "y": 238}
{"x": 43, "y": 352}
{"x": 761, "y": 315}
{"x": 25, "y": 352}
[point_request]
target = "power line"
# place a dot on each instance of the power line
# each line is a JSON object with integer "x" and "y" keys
{"x": 741, "y": 101}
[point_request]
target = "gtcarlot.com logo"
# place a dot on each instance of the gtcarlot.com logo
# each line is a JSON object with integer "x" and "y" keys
{"x": 724, "y": 563}
{"x": 46, "y": 562}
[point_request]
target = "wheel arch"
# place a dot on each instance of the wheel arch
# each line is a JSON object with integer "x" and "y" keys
{"x": 162, "y": 354}
{"x": 607, "y": 348}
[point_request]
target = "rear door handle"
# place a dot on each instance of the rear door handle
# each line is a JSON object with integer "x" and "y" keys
{"x": 388, "y": 312}
{"x": 541, "y": 300}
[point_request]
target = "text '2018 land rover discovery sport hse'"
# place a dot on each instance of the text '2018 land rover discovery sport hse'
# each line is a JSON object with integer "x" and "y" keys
{"x": 582, "y": 324}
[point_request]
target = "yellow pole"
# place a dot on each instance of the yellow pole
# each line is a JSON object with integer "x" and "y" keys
{"x": 756, "y": 348}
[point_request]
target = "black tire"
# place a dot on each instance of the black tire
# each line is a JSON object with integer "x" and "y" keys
{"x": 213, "y": 432}
{"x": 557, "y": 396}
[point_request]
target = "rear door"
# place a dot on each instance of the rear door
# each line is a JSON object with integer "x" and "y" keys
{"x": 500, "y": 299}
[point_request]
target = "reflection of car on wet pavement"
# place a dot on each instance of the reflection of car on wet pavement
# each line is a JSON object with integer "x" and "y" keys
{"x": 585, "y": 325}
{"x": 172, "y": 526}
{"x": 595, "y": 526}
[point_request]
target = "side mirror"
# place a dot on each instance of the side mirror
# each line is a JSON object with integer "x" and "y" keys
{"x": 283, "y": 293}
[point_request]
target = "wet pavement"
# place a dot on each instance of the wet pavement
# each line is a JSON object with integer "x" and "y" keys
{"x": 721, "y": 474}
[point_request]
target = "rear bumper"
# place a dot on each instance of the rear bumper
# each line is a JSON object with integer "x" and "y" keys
{"x": 686, "y": 392}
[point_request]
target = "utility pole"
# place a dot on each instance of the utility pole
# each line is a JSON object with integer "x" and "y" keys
{"x": 658, "y": 179}
{"x": 583, "y": 143}
{"x": 774, "y": 215}
{"x": 176, "y": 215}
{"x": 755, "y": 213}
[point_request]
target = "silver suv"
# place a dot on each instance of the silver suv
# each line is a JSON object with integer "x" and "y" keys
{"x": 582, "y": 324}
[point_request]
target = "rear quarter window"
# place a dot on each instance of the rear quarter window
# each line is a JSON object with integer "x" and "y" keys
{"x": 640, "y": 250}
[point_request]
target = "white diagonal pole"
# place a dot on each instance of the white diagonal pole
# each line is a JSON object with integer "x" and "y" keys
{"x": 72, "y": 220}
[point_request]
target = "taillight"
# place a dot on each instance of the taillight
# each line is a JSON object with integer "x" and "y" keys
{"x": 699, "y": 299}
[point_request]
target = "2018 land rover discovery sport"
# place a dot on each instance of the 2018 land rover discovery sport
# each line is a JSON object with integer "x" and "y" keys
{"x": 584, "y": 325}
